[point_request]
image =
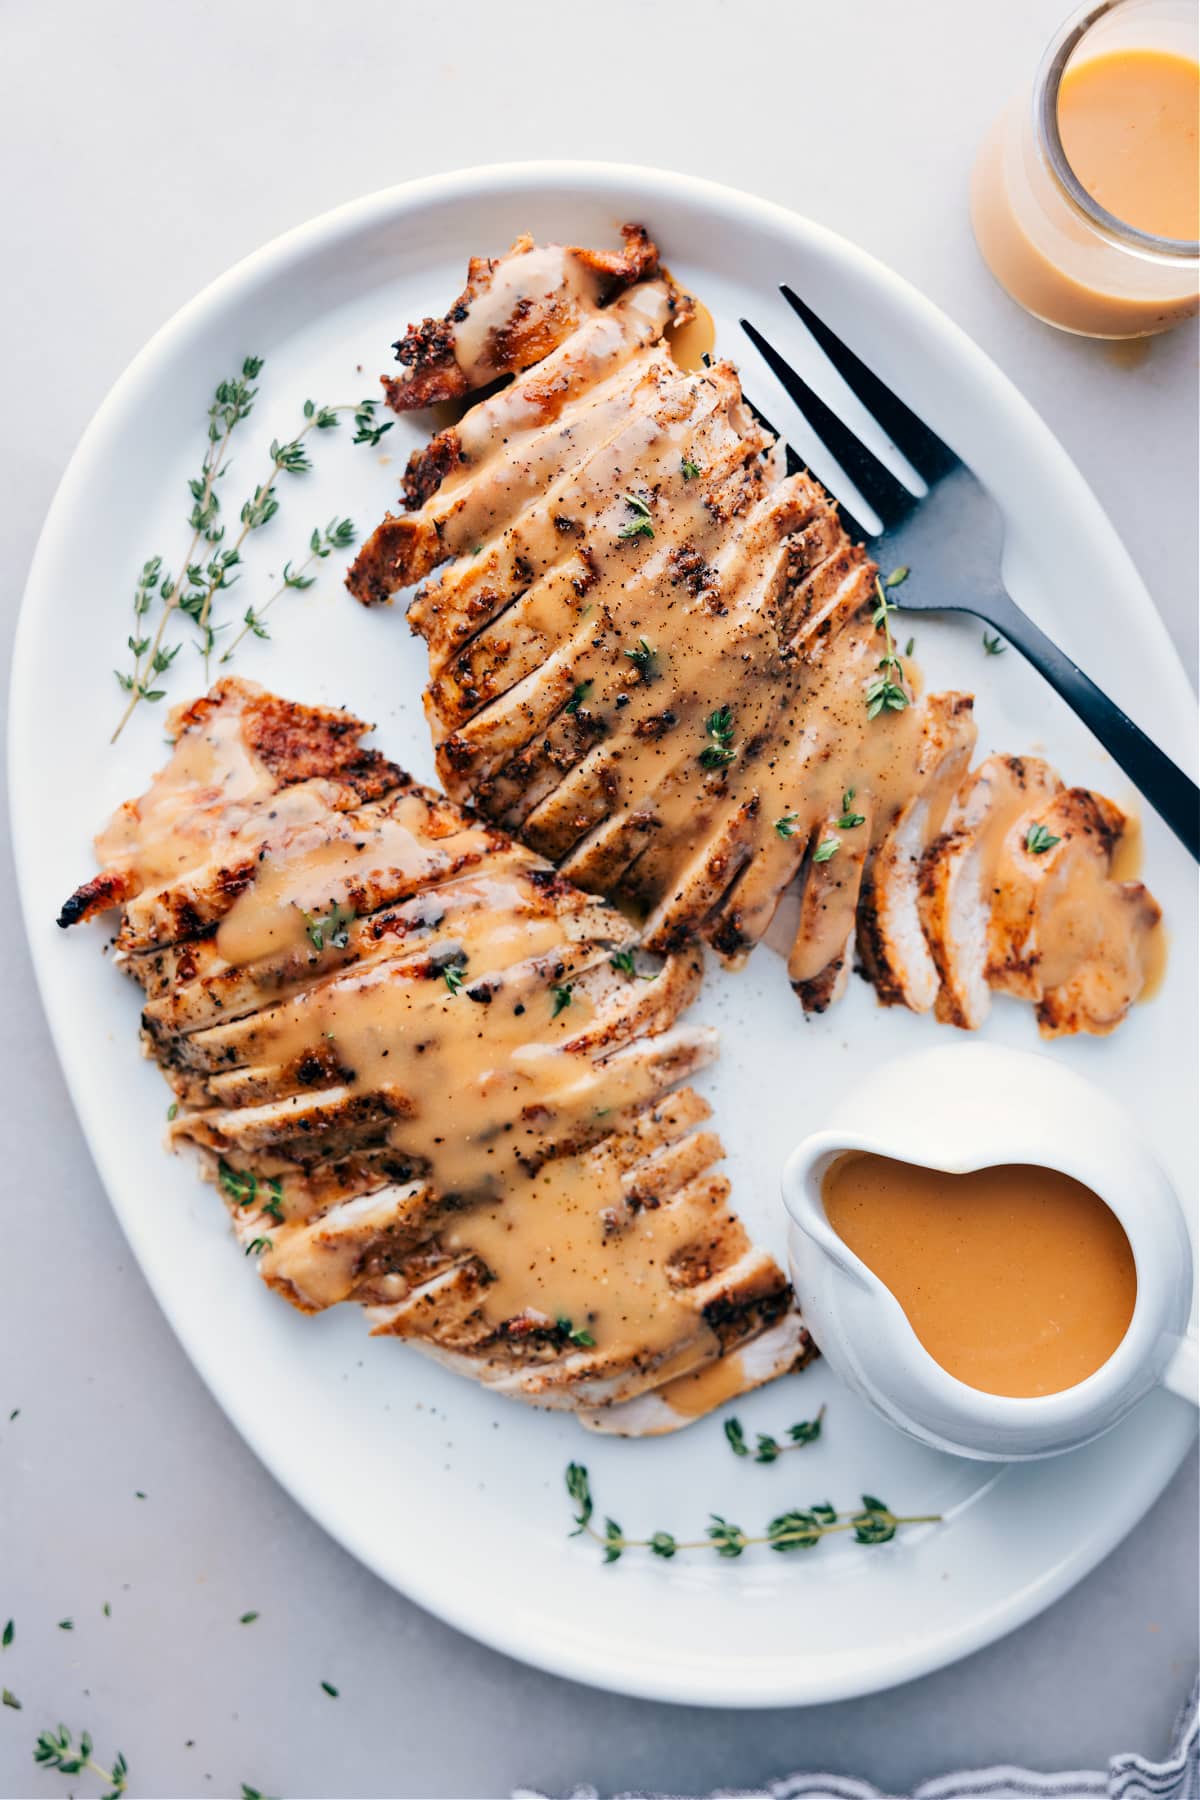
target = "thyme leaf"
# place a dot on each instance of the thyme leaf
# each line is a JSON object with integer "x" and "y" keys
{"x": 825, "y": 849}
{"x": 562, "y": 999}
{"x": 1039, "y": 839}
{"x": 690, "y": 469}
{"x": 849, "y": 819}
{"x": 330, "y": 929}
{"x": 786, "y": 827}
{"x": 994, "y": 646}
{"x": 719, "y": 727}
{"x": 581, "y": 1337}
{"x": 582, "y": 690}
{"x": 644, "y": 658}
{"x": 639, "y": 525}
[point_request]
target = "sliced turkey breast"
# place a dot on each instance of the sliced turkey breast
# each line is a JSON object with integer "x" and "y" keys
{"x": 429, "y": 1076}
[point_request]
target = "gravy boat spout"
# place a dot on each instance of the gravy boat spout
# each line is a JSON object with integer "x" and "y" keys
{"x": 959, "y": 1108}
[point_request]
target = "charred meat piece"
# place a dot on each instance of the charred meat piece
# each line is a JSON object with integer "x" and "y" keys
{"x": 514, "y": 310}
{"x": 428, "y": 1074}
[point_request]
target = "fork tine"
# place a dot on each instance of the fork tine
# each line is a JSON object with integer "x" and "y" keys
{"x": 929, "y": 456}
{"x": 873, "y": 479}
{"x": 794, "y": 465}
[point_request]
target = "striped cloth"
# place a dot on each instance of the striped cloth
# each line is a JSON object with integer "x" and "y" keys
{"x": 1128, "y": 1777}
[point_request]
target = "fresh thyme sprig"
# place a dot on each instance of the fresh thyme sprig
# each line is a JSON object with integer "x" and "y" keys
{"x": 580, "y": 694}
{"x": 232, "y": 402}
{"x": 768, "y": 1449}
{"x": 799, "y": 1529}
{"x": 339, "y": 534}
{"x": 58, "y": 1750}
{"x": 193, "y": 591}
{"x": 290, "y": 458}
{"x": 884, "y": 692}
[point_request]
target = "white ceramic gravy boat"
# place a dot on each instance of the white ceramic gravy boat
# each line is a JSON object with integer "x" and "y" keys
{"x": 965, "y": 1106}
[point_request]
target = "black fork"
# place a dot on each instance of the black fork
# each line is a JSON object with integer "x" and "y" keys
{"x": 953, "y": 536}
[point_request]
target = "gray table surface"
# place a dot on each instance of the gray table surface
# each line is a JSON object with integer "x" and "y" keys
{"x": 146, "y": 148}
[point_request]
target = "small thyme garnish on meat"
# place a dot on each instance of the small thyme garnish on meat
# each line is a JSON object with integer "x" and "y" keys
{"x": 58, "y": 1750}
{"x": 583, "y": 1338}
{"x": 640, "y": 525}
{"x": 799, "y": 1529}
{"x": 622, "y": 962}
{"x": 884, "y": 692}
{"x": 690, "y": 469}
{"x": 454, "y": 974}
{"x": 339, "y": 534}
{"x": 1039, "y": 839}
{"x": 273, "y": 1208}
{"x": 241, "y": 1185}
{"x": 768, "y": 1449}
{"x": 259, "y": 1246}
{"x": 330, "y": 929}
{"x": 582, "y": 690}
{"x": 786, "y": 827}
{"x": 825, "y": 849}
{"x": 994, "y": 646}
{"x": 849, "y": 819}
{"x": 719, "y": 727}
{"x": 644, "y": 659}
{"x": 562, "y": 999}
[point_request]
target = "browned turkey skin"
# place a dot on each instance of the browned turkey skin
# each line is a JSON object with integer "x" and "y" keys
{"x": 656, "y": 662}
{"x": 429, "y": 1075}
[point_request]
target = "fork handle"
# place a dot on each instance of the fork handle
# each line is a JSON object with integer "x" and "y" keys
{"x": 1173, "y": 795}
